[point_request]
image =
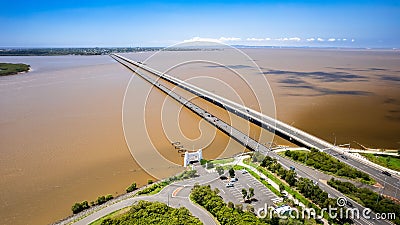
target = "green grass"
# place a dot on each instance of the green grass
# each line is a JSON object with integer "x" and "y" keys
{"x": 112, "y": 215}
{"x": 222, "y": 161}
{"x": 391, "y": 162}
{"x": 11, "y": 68}
{"x": 329, "y": 165}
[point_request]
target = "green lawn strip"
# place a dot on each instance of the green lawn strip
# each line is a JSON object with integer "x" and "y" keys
{"x": 370, "y": 182}
{"x": 157, "y": 187}
{"x": 153, "y": 189}
{"x": 222, "y": 161}
{"x": 391, "y": 162}
{"x": 110, "y": 216}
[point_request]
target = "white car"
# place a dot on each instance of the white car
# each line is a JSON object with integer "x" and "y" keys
{"x": 230, "y": 184}
{"x": 244, "y": 171}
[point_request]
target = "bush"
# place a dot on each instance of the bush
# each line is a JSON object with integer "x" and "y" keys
{"x": 79, "y": 207}
{"x": 210, "y": 165}
{"x": 131, "y": 188}
{"x": 220, "y": 170}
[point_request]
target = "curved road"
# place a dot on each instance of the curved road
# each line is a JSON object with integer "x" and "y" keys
{"x": 168, "y": 196}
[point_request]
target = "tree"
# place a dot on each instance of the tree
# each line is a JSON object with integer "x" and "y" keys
{"x": 149, "y": 181}
{"x": 239, "y": 207}
{"x": 101, "y": 200}
{"x": 231, "y": 172}
{"x": 191, "y": 173}
{"x": 244, "y": 193}
{"x": 131, "y": 188}
{"x": 109, "y": 197}
{"x": 250, "y": 208}
{"x": 220, "y": 170}
{"x": 210, "y": 165}
{"x": 76, "y": 208}
{"x": 281, "y": 187}
{"x": 231, "y": 205}
{"x": 290, "y": 177}
{"x": 79, "y": 207}
{"x": 251, "y": 193}
{"x": 388, "y": 161}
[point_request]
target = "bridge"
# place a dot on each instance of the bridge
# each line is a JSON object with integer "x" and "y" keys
{"x": 290, "y": 133}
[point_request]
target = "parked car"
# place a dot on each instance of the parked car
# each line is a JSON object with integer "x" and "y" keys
{"x": 292, "y": 168}
{"x": 244, "y": 171}
{"x": 386, "y": 173}
{"x": 233, "y": 179}
{"x": 223, "y": 177}
{"x": 230, "y": 184}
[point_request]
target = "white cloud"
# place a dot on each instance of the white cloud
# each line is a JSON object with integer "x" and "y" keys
{"x": 267, "y": 39}
{"x": 294, "y": 39}
{"x": 331, "y": 39}
{"x": 219, "y": 40}
{"x": 229, "y": 39}
{"x": 352, "y": 40}
{"x": 310, "y": 39}
{"x": 255, "y": 39}
{"x": 344, "y": 39}
{"x": 320, "y": 39}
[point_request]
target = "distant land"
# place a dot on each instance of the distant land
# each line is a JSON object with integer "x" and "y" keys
{"x": 14, "y": 51}
{"x": 89, "y": 51}
{"x": 70, "y": 51}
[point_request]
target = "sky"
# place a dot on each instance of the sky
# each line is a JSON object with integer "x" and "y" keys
{"x": 105, "y": 23}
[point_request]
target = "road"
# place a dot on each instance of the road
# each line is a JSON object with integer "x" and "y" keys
{"x": 297, "y": 136}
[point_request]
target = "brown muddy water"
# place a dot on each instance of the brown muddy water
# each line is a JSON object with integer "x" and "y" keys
{"x": 62, "y": 125}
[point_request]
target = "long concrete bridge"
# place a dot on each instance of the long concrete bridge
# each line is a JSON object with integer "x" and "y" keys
{"x": 290, "y": 133}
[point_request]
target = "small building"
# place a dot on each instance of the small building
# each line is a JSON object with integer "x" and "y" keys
{"x": 191, "y": 157}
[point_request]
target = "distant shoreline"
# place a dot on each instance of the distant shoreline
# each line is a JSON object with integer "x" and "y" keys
{"x": 16, "y": 51}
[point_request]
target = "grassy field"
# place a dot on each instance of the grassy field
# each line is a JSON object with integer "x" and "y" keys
{"x": 11, "y": 68}
{"x": 390, "y": 162}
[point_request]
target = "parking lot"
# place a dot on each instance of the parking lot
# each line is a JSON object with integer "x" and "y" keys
{"x": 233, "y": 194}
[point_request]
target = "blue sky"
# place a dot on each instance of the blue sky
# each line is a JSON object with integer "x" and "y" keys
{"x": 101, "y": 23}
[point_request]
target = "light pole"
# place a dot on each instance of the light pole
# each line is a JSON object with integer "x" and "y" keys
{"x": 334, "y": 144}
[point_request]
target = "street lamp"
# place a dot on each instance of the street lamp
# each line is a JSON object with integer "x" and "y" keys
{"x": 334, "y": 144}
